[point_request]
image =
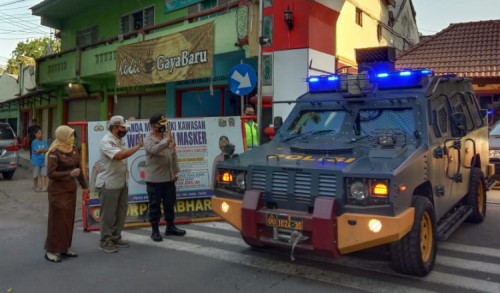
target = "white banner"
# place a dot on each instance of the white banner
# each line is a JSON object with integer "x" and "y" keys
{"x": 197, "y": 142}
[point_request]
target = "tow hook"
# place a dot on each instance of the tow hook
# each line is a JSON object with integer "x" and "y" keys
{"x": 295, "y": 237}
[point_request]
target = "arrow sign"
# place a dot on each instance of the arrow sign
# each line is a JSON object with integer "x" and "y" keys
{"x": 242, "y": 79}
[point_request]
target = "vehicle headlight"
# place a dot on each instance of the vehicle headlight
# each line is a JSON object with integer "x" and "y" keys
{"x": 367, "y": 191}
{"x": 495, "y": 154}
{"x": 240, "y": 180}
{"x": 358, "y": 190}
{"x": 230, "y": 179}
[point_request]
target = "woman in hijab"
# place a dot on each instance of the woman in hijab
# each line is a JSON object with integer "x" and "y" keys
{"x": 63, "y": 168}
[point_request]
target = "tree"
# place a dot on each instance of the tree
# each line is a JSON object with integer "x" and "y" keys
{"x": 27, "y": 51}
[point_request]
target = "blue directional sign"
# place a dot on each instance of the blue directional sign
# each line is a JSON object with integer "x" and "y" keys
{"x": 242, "y": 79}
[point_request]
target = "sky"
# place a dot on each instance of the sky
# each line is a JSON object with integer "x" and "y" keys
{"x": 17, "y": 24}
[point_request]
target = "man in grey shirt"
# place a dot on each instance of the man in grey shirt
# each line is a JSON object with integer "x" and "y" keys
{"x": 111, "y": 184}
{"x": 162, "y": 171}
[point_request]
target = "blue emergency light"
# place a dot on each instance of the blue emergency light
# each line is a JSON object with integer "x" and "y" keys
{"x": 401, "y": 79}
{"x": 324, "y": 83}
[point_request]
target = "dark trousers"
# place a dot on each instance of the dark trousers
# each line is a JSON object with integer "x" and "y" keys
{"x": 158, "y": 194}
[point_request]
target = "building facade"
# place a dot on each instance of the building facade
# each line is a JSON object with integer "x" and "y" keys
{"x": 180, "y": 53}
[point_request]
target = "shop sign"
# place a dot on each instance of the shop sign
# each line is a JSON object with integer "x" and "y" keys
{"x": 171, "y": 5}
{"x": 180, "y": 56}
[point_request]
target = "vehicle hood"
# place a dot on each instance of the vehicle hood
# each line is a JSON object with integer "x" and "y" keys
{"x": 326, "y": 155}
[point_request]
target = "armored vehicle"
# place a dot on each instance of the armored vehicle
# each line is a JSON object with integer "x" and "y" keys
{"x": 398, "y": 158}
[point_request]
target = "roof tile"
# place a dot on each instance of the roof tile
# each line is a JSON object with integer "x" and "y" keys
{"x": 467, "y": 49}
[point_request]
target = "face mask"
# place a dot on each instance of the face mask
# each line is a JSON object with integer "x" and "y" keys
{"x": 122, "y": 134}
{"x": 71, "y": 140}
{"x": 162, "y": 128}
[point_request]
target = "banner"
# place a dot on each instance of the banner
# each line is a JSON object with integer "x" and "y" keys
{"x": 180, "y": 56}
{"x": 197, "y": 142}
{"x": 171, "y": 5}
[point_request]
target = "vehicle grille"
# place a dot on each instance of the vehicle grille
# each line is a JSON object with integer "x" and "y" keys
{"x": 300, "y": 184}
{"x": 327, "y": 185}
{"x": 302, "y": 187}
{"x": 259, "y": 179}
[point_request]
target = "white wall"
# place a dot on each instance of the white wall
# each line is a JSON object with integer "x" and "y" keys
{"x": 290, "y": 73}
{"x": 8, "y": 87}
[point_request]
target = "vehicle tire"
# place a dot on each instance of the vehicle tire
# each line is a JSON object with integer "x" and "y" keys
{"x": 8, "y": 175}
{"x": 476, "y": 198}
{"x": 415, "y": 253}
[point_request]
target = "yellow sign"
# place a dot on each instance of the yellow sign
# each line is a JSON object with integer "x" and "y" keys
{"x": 184, "y": 55}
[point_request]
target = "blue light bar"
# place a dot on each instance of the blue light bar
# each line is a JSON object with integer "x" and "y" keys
{"x": 401, "y": 79}
{"x": 323, "y": 83}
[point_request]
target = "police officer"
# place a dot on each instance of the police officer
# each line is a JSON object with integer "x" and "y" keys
{"x": 251, "y": 129}
{"x": 162, "y": 171}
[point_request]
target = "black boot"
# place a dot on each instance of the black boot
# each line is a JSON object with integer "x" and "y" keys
{"x": 155, "y": 235}
{"x": 172, "y": 230}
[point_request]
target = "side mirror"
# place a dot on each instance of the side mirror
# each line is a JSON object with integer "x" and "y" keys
{"x": 277, "y": 122}
{"x": 458, "y": 122}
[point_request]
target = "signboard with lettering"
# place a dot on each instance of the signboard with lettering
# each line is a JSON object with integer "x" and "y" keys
{"x": 197, "y": 142}
{"x": 171, "y": 5}
{"x": 184, "y": 55}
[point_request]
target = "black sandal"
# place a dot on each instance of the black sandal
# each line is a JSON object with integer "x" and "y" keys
{"x": 52, "y": 257}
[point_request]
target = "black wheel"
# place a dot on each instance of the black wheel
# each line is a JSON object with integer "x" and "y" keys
{"x": 476, "y": 198}
{"x": 415, "y": 253}
{"x": 8, "y": 175}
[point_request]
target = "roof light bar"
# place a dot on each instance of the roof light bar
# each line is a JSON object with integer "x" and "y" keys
{"x": 401, "y": 79}
{"x": 324, "y": 83}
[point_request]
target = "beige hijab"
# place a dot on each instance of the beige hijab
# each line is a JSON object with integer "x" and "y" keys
{"x": 63, "y": 133}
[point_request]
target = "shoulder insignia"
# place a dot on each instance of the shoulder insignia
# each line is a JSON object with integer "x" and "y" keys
{"x": 112, "y": 144}
{"x": 52, "y": 156}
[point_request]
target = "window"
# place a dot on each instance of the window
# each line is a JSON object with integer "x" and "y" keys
{"x": 137, "y": 20}
{"x": 87, "y": 36}
{"x": 208, "y": 4}
{"x": 442, "y": 120}
{"x": 379, "y": 32}
{"x": 359, "y": 17}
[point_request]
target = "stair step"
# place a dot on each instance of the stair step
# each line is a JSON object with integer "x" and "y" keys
{"x": 453, "y": 221}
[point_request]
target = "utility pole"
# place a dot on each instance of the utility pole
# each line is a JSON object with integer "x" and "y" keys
{"x": 259, "y": 76}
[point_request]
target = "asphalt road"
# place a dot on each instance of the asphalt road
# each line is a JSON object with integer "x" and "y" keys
{"x": 213, "y": 258}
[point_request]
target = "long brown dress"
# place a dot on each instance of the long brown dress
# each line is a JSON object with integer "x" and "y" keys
{"x": 62, "y": 199}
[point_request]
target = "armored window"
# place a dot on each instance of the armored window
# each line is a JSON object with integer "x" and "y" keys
{"x": 442, "y": 120}
{"x": 372, "y": 120}
{"x": 470, "y": 102}
{"x": 312, "y": 121}
{"x": 460, "y": 107}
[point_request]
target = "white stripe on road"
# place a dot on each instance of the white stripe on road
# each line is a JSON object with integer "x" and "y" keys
{"x": 470, "y": 249}
{"x": 381, "y": 266}
{"x": 217, "y": 225}
{"x": 273, "y": 265}
{"x": 374, "y": 265}
{"x": 468, "y": 264}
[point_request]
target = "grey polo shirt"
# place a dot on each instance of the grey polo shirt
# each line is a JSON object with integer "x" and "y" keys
{"x": 161, "y": 160}
{"x": 113, "y": 173}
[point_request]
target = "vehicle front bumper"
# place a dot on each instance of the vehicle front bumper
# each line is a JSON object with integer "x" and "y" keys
{"x": 323, "y": 231}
